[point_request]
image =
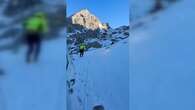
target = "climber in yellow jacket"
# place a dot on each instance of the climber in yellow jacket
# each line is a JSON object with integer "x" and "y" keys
{"x": 35, "y": 27}
{"x": 82, "y": 49}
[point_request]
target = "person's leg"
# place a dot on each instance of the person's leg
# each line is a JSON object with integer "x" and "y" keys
{"x": 80, "y": 52}
{"x": 37, "y": 47}
{"x": 30, "y": 49}
{"x": 83, "y": 53}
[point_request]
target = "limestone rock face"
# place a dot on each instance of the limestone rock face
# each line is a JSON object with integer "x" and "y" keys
{"x": 88, "y": 20}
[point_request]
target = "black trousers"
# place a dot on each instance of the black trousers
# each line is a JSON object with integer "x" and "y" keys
{"x": 81, "y": 52}
{"x": 33, "y": 41}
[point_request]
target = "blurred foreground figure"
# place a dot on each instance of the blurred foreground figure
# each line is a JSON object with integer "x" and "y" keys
{"x": 35, "y": 27}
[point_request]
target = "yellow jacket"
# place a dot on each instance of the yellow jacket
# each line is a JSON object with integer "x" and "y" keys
{"x": 36, "y": 24}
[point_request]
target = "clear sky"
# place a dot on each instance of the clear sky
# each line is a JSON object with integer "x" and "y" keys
{"x": 115, "y": 12}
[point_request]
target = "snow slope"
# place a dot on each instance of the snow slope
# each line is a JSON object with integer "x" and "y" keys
{"x": 162, "y": 59}
{"x": 39, "y": 86}
{"x": 140, "y": 8}
{"x": 2, "y": 17}
{"x": 102, "y": 78}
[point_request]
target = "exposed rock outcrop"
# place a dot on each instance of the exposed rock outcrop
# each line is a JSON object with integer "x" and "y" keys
{"x": 86, "y": 19}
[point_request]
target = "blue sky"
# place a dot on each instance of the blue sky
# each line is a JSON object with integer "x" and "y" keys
{"x": 115, "y": 12}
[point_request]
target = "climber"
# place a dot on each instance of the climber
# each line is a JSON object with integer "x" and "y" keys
{"x": 82, "y": 49}
{"x": 34, "y": 27}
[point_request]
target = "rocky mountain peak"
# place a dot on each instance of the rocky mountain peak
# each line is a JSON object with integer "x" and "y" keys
{"x": 88, "y": 20}
{"x": 86, "y": 11}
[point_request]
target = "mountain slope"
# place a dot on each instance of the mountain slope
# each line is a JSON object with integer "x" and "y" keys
{"x": 85, "y": 27}
{"x": 96, "y": 78}
{"x": 162, "y": 61}
{"x": 96, "y": 39}
{"x": 39, "y": 86}
{"x": 102, "y": 78}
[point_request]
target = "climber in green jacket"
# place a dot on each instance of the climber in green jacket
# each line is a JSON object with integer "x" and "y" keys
{"x": 35, "y": 27}
{"x": 82, "y": 49}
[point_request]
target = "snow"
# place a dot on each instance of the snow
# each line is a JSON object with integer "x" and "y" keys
{"x": 102, "y": 78}
{"x": 162, "y": 61}
{"x": 54, "y": 2}
{"x": 3, "y": 18}
{"x": 140, "y": 8}
{"x": 39, "y": 86}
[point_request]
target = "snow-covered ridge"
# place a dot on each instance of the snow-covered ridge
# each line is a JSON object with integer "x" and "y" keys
{"x": 96, "y": 39}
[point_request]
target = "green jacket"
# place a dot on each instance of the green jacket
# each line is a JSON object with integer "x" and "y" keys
{"x": 82, "y": 47}
{"x": 36, "y": 24}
